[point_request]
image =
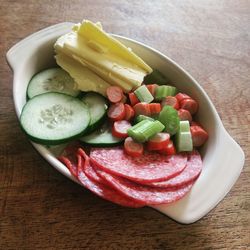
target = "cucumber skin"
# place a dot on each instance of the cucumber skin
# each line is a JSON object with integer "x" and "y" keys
{"x": 98, "y": 124}
{"x": 102, "y": 145}
{"x": 95, "y": 126}
{"x": 27, "y": 94}
{"x": 53, "y": 142}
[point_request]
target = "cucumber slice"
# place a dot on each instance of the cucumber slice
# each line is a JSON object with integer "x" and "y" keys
{"x": 102, "y": 137}
{"x": 170, "y": 119}
{"x": 54, "y": 118}
{"x": 52, "y": 80}
{"x": 183, "y": 137}
{"x": 98, "y": 106}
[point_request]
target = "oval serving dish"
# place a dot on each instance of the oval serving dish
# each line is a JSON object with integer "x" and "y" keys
{"x": 223, "y": 158}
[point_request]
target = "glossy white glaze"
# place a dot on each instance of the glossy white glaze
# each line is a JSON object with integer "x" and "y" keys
{"x": 222, "y": 157}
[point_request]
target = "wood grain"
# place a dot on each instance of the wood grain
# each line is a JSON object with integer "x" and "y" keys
{"x": 41, "y": 209}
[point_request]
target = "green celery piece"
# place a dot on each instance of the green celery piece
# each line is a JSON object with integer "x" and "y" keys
{"x": 143, "y": 94}
{"x": 163, "y": 91}
{"x": 170, "y": 119}
{"x": 184, "y": 126}
{"x": 140, "y": 118}
{"x": 155, "y": 77}
{"x": 183, "y": 138}
{"x": 144, "y": 130}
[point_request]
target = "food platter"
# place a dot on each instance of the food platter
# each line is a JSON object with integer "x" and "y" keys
{"x": 223, "y": 159}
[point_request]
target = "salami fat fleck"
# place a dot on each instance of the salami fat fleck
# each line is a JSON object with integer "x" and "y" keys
{"x": 144, "y": 194}
{"x": 150, "y": 167}
{"x": 189, "y": 174}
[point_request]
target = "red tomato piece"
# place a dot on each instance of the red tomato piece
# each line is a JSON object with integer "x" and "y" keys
{"x": 114, "y": 94}
{"x": 170, "y": 101}
{"x": 199, "y": 135}
{"x": 142, "y": 108}
{"x": 133, "y": 148}
{"x": 155, "y": 108}
{"x": 158, "y": 142}
{"x": 130, "y": 113}
{"x": 182, "y": 96}
{"x": 133, "y": 98}
{"x": 189, "y": 104}
{"x": 184, "y": 115}
{"x": 120, "y": 128}
{"x": 116, "y": 112}
{"x": 151, "y": 88}
{"x": 169, "y": 149}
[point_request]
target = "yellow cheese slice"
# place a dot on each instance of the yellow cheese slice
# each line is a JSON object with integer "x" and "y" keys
{"x": 92, "y": 31}
{"x": 109, "y": 66}
{"x": 104, "y": 56}
{"x": 85, "y": 78}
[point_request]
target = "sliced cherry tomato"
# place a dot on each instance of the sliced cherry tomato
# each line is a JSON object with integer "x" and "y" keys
{"x": 170, "y": 101}
{"x": 158, "y": 142}
{"x": 133, "y": 98}
{"x": 116, "y": 112}
{"x": 169, "y": 149}
{"x": 182, "y": 96}
{"x": 184, "y": 115}
{"x": 114, "y": 94}
{"x": 189, "y": 104}
{"x": 199, "y": 135}
{"x": 120, "y": 128}
{"x": 133, "y": 148}
{"x": 151, "y": 88}
{"x": 130, "y": 113}
{"x": 155, "y": 108}
{"x": 142, "y": 108}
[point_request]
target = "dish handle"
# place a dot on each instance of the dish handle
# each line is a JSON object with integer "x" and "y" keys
{"x": 16, "y": 54}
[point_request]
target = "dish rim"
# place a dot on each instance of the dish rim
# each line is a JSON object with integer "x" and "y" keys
{"x": 50, "y": 32}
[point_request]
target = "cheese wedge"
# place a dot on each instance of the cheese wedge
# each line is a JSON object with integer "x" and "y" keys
{"x": 103, "y": 55}
{"x": 86, "y": 80}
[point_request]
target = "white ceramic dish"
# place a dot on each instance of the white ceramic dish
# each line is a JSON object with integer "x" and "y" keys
{"x": 222, "y": 156}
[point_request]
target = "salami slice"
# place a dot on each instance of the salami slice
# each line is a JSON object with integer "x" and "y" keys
{"x": 144, "y": 194}
{"x": 189, "y": 174}
{"x": 77, "y": 161}
{"x": 150, "y": 167}
{"x": 72, "y": 167}
{"x": 102, "y": 190}
{"x": 88, "y": 170}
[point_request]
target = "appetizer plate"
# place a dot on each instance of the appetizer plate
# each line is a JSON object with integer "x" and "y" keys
{"x": 223, "y": 158}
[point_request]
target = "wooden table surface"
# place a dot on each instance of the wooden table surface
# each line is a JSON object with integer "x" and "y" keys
{"x": 41, "y": 209}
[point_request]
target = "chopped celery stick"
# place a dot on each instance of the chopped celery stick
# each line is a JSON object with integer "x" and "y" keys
{"x": 163, "y": 91}
{"x": 184, "y": 126}
{"x": 170, "y": 119}
{"x": 184, "y": 138}
{"x": 144, "y": 130}
{"x": 143, "y": 94}
{"x": 155, "y": 77}
{"x": 140, "y": 118}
